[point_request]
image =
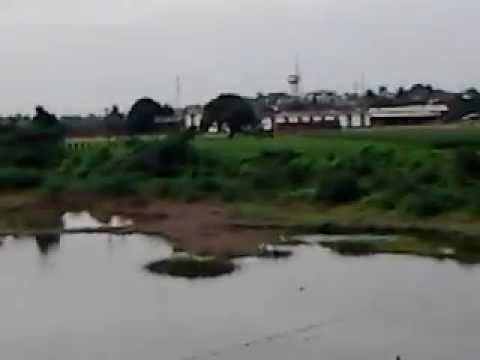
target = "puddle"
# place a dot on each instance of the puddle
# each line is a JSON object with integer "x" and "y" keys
{"x": 87, "y": 296}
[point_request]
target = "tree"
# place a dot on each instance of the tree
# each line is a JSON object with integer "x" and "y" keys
{"x": 36, "y": 146}
{"x": 232, "y": 110}
{"x": 400, "y": 92}
{"x": 115, "y": 120}
{"x": 382, "y": 90}
{"x": 370, "y": 94}
{"x": 472, "y": 93}
{"x": 462, "y": 106}
{"x": 168, "y": 111}
{"x": 43, "y": 119}
{"x": 142, "y": 115}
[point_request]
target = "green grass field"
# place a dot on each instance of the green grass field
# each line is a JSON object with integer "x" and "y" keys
{"x": 319, "y": 143}
{"x": 439, "y": 138}
{"x": 421, "y": 172}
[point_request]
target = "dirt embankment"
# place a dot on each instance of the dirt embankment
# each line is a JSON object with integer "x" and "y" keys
{"x": 201, "y": 228}
{"x": 215, "y": 228}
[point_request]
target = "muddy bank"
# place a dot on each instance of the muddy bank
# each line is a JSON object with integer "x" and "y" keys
{"x": 205, "y": 228}
{"x": 215, "y": 228}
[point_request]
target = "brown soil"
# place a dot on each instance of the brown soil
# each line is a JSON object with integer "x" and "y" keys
{"x": 201, "y": 228}
{"x": 213, "y": 228}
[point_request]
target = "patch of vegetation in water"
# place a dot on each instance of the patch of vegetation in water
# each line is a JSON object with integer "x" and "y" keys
{"x": 191, "y": 268}
{"x": 351, "y": 247}
{"x": 464, "y": 250}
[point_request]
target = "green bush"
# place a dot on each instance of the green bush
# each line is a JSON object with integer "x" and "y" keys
{"x": 429, "y": 201}
{"x": 115, "y": 184}
{"x": 276, "y": 167}
{"x": 209, "y": 185}
{"x": 31, "y": 148}
{"x": 467, "y": 162}
{"x": 299, "y": 170}
{"x": 91, "y": 162}
{"x": 19, "y": 178}
{"x": 236, "y": 190}
{"x": 338, "y": 187}
{"x": 278, "y": 154}
{"x": 166, "y": 158}
{"x": 307, "y": 194}
{"x": 267, "y": 178}
{"x": 426, "y": 175}
{"x": 55, "y": 184}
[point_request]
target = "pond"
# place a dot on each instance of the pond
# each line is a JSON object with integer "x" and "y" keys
{"x": 88, "y": 296}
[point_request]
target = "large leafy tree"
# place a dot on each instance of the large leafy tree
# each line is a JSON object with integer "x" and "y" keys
{"x": 36, "y": 146}
{"x": 142, "y": 115}
{"x": 231, "y": 110}
{"x": 44, "y": 119}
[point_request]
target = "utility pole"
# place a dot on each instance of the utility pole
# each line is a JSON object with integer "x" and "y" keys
{"x": 362, "y": 84}
{"x": 178, "y": 92}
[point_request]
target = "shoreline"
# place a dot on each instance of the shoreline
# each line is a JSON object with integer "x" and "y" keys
{"x": 234, "y": 229}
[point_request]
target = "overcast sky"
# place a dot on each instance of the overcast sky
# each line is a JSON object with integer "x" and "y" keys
{"x": 80, "y": 56}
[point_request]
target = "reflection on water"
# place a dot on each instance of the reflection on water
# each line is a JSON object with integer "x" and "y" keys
{"x": 84, "y": 220}
{"x": 80, "y": 220}
{"x": 47, "y": 242}
{"x": 95, "y": 301}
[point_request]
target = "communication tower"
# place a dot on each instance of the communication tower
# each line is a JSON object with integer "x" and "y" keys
{"x": 295, "y": 80}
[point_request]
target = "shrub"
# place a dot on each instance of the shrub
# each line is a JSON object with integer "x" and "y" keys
{"x": 300, "y": 195}
{"x": 426, "y": 175}
{"x": 234, "y": 190}
{"x": 299, "y": 170}
{"x": 428, "y": 201}
{"x": 467, "y": 162}
{"x": 276, "y": 167}
{"x": 18, "y": 178}
{"x": 55, "y": 184}
{"x": 166, "y": 158}
{"x": 209, "y": 185}
{"x": 338, "y": 187}
{"x": 280, "y": 154}
{"x": 267, "y": 178}
{"x": 115, "y": 184}
{"x": 90, "y": 161}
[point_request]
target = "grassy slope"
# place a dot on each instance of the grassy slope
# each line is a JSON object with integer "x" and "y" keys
{"x": 410, "y": 146}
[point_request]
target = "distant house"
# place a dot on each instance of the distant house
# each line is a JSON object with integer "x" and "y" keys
{"x": 301, "y": 121}
{"x": 406, "y": 115}
{"x": 324, "y": 97}
{"x": 192, "y": 116}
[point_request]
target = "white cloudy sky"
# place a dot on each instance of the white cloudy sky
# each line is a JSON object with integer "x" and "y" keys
{"x": 80, "y": 56}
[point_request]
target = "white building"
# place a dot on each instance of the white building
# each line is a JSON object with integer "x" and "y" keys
{"x": 407, "y": 115}
{"x": 193, "y": 116}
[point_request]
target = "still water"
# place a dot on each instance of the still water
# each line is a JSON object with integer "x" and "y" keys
{"x": 84, "y": 297}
